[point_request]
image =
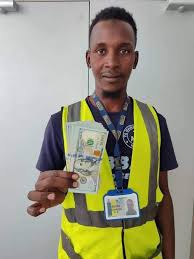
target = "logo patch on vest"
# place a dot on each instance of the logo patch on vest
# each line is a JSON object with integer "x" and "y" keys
{"x": 128, "y": 136}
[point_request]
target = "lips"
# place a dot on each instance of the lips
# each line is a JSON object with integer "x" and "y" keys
{"x": 110, "y": 77}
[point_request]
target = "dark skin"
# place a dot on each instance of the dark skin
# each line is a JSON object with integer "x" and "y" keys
{"x": 112, "y": 57}
{"x": 50, "y": 190}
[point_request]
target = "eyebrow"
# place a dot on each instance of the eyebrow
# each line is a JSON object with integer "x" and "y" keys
{"x": 120, "y": 45}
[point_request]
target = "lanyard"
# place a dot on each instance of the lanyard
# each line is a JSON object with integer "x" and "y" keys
{"x": 116, "y": 133}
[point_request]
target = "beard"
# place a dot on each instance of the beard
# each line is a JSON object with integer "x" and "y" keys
{"x": 112, "y": 95}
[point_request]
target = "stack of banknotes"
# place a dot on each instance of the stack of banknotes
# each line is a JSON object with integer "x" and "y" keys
{"x": 86, "y": 144}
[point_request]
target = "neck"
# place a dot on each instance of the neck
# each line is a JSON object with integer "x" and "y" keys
{"x": 112, "y": 102}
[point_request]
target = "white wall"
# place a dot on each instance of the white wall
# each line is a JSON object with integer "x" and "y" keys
{"x": 42, "y": 48}
{"x": 165, "y": 78}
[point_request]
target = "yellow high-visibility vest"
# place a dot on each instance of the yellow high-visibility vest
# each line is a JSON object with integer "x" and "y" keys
{"x": 85, "y": 233}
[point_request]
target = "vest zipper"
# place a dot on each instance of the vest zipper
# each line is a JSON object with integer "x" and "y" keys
{"x": 122, "y": 237}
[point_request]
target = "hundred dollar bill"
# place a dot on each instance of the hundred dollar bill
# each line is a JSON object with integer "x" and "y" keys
{"x": 86, "y": 148}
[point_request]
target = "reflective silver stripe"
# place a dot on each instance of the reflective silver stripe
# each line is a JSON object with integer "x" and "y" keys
{"x": 81, "y": 210}
{"x": 97, "y": 218}
{"x": 83, "y": 216}
{"x": 67, "y": 246}
{"x": 153, "y": 137}
{"x": 74, "y": 112}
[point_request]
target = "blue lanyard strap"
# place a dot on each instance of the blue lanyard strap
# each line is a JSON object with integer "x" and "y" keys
{"x": 116, "y": 133}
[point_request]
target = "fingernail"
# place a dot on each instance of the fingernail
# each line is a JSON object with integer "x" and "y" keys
{"x": 51, "y": 196}
{"x": 42, "y": 210}
{"x": 75, "y": 176}
{"x": 75, "y": 184}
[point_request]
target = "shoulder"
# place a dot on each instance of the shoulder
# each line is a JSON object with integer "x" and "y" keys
{"x": 56, "y": 119}
{"x": 52, "y": 151}
{"x": 54, "y": 126}
{"x": 161, "y": 118}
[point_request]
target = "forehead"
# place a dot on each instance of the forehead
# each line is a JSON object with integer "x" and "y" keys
{"x": 112, "y": 31}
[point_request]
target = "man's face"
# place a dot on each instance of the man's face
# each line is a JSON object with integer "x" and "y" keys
{"x": 130, "y": 204}
{"x": 112, "y": 55}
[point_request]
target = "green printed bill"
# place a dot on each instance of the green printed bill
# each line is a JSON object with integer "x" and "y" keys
{"x": 86, "y": 144}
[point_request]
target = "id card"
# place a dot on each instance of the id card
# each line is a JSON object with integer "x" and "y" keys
{"x": 123, "y": 205}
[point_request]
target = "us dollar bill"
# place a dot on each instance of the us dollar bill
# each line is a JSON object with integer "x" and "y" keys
{"x": 85, "y": 152}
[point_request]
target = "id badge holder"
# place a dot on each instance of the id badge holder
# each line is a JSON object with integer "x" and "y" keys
{"x": 121, "y": 205}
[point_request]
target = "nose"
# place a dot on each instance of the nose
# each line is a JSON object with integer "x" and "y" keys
{"x": 112, "y": 60}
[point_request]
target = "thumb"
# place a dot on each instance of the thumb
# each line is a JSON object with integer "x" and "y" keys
{"x": 36, "y": 209}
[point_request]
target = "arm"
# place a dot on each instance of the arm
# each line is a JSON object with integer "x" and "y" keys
{"x": 50, "y": 187}
{"x": 165, "y": 219}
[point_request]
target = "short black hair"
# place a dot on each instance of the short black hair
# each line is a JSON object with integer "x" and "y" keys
{"x": 111, "y": 13}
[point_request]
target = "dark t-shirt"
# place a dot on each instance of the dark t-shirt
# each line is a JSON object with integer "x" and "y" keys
{"x": 52, "y": 155}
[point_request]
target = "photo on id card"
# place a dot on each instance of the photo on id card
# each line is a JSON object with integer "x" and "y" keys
{"x": 121, "y": 206}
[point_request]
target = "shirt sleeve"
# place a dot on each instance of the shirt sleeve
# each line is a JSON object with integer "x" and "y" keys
{"x": 52, "y": 155}
{"x": 167, "y": 155}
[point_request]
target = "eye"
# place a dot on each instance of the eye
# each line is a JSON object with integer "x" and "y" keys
{"x": 101, "y": 51}
{"x": 124, "y": 51}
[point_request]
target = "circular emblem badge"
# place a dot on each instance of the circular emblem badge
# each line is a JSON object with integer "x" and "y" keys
{"x": 128, "y": 136}
{"x": 83, "y": 180}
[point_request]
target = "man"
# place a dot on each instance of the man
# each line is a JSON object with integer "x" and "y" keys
{"x": 145, "y": 155}
{"x": 130, "y": 207}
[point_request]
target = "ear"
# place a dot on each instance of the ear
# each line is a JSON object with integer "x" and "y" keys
{"x": 88, "y": 58}
{"x": 136, "y": 59}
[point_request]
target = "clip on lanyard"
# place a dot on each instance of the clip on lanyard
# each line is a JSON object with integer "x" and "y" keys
{"x": 116, "y": 133}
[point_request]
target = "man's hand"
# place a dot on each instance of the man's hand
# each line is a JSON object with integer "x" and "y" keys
{"x": 50, "y": 190}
